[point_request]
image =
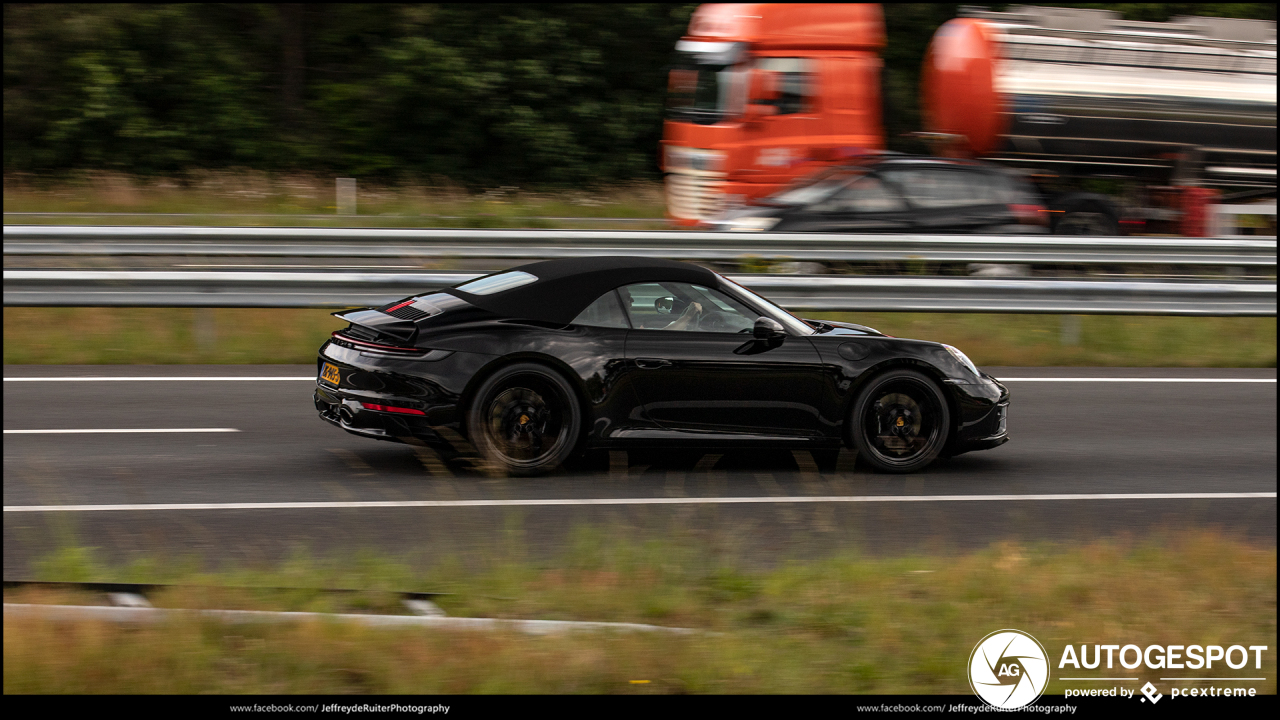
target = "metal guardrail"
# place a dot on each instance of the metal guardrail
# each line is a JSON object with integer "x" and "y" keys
{"x": 38, "y": 287}
{"x": 139, "y": 615}
{"x": 331, "y": 216}
{"x": 121, "y": 241}
{"x": 819, "y": 292}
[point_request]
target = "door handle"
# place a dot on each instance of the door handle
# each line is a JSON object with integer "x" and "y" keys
{"x": 648, "y": 363}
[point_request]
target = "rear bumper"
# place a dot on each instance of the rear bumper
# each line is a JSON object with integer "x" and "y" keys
{"x": 416, "y": 396}
{"x": 342, "y": 410}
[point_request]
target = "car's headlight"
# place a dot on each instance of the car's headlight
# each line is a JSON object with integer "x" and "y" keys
{"x": 964, "y": 359}
{"x": 750, "y": 224}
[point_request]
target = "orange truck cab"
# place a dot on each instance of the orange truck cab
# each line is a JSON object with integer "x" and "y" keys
{"x": 761, "y": 94}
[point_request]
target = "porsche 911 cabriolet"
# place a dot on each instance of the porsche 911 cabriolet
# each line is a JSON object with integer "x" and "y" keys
{"x": 533, "y": 364}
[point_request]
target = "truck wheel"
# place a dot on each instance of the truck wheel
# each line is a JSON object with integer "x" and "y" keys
{"x": 1087, "y": 220}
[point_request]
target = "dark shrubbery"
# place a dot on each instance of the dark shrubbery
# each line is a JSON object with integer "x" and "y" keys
{"x": 482, "y": 94}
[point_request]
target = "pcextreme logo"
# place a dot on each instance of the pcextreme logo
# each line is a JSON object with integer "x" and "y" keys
{"x": 1008, "y": 669}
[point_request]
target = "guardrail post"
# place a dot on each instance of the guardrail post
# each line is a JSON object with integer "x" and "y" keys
{"x": 346, "y": 196}
{"x": 205, "y": 329}
{"x": 1218, "y": 223}
{"x": 1070, "y": 331}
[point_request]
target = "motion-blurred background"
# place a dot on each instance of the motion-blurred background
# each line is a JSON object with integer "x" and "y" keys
{"x": 1142, "y": 358}
{"x": 483, "y": 96}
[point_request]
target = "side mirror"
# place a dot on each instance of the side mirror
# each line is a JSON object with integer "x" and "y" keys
{"x": 762, "y": 92}
{"x": 664, "y": 305}
{"x": 768, "y": 329}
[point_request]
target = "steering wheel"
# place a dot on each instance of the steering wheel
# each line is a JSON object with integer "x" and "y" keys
{"x": 713, "y": 322}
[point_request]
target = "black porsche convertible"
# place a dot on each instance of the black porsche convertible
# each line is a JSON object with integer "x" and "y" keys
{"x": 541, "y": 361}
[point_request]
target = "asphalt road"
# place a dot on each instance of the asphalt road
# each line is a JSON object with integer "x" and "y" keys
{"x": 1095, "y": 439}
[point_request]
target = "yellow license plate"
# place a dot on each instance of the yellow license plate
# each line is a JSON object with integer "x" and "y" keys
{"x": 330, "y": 375}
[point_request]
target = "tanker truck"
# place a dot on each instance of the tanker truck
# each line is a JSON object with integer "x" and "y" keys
{"x": 1124, "y": 126}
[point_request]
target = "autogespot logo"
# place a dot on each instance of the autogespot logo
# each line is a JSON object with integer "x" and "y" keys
{"x": 1008, "y": 669}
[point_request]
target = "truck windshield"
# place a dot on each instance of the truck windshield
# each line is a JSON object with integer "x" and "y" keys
{"x": 704, "y": 87}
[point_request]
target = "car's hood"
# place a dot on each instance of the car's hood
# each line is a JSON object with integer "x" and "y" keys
{"x": 749, "y": 218}
{"x": 848, "y": 328}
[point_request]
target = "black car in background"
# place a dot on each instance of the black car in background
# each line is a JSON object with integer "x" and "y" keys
{"x": 540, "y": 361}
{"x": 891, "y": 194}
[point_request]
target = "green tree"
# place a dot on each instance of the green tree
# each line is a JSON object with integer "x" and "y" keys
{"x": 483, "y": 94}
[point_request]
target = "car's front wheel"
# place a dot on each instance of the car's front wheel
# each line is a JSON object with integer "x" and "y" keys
{"x": 524, "y": 419}
{"x": 900, "y": 421}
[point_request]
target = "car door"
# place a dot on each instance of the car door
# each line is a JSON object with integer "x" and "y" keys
{"x": 597, "y": 354}
{"x": 699, "y": 368}
{"x": 867, "y": 204}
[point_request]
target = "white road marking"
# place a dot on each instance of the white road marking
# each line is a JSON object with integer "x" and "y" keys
{"x": 115, "y": 430}
{"x": 1140, "y": 379}
{"x": 633, "y": 501}
{"x": 311, "y": 378}
{"x": 161, "y": 378}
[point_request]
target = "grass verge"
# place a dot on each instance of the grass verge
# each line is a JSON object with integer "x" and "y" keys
{"x": 164, "y": 336}
{"x": 98, "y": 336}
{"x": 225, "y": 197}
{"x": 847, "y": 624}
{"x": 1101, "y": 340}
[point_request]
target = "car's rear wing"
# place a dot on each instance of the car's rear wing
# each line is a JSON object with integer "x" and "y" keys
{"x": 381, "y": 323}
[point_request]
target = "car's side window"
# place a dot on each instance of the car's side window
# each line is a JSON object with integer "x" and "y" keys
{"x": 606, "y": 311}
{"x": 868, "y": 195}
{"x": 988, "y": 188}
{"x": 685, "y": 307}
{"x": 1011, "y": 190}
{"x": 939, "y": 188}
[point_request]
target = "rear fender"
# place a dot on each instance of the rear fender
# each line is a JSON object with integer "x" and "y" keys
{"x": 554, "y": 364}
{"x": 1067, "y": 203}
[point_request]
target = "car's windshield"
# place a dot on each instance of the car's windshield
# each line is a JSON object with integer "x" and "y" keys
{"x": 814, "y": 188}
{"x": 789, "y": 321}
{"x": 704, "y": 85}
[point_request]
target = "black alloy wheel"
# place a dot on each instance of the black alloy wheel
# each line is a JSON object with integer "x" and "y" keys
{"x": 900, "y": 421}
{"x": 524, "y": 419}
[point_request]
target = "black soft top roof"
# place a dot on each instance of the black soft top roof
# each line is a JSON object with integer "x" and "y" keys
{"x": 566, "y": 287}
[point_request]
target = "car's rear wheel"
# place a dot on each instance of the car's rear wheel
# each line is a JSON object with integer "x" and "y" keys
{"x": 900, "y": 421}
{"x": 524, "y": 419}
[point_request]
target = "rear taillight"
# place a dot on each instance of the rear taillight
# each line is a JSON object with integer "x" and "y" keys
{"x": 391, "y": 409}
{"x": 1030, "y": 214}
{"x": 368, "y": 346}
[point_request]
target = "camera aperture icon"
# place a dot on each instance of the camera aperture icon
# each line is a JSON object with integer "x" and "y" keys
{"x": 1008, "y": 669}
